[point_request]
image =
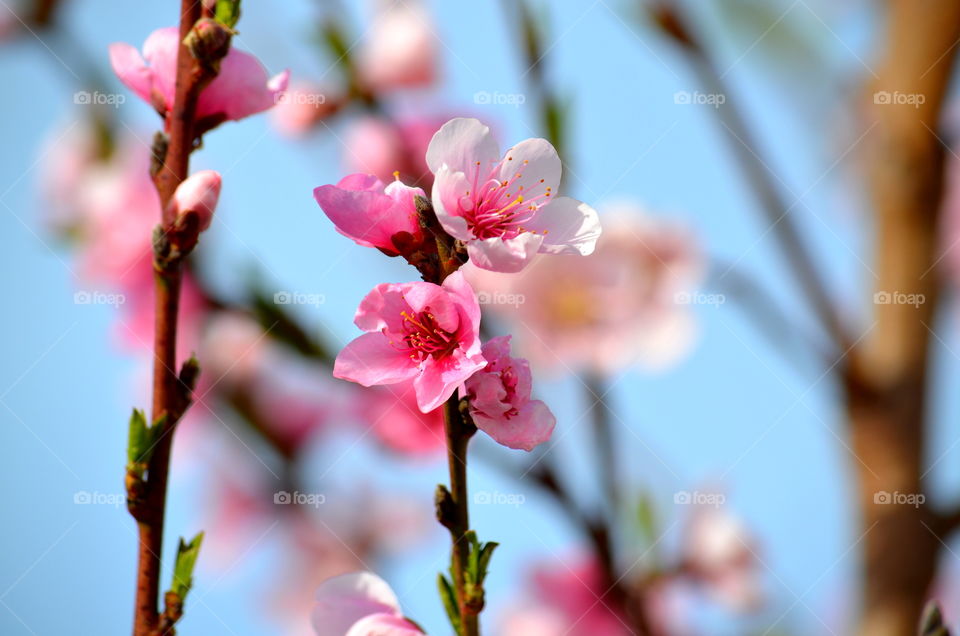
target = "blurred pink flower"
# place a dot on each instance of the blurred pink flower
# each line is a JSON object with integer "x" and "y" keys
{"x": 500, "y": 403}
{"x": 719, "y": 554}
{"x": 359, "y": 604}
{"x": 623, "y": 305}
{"x": 398, "y": 423}
{"x": 242, "y": 87}
{"x": 301, "y": 107}
{"x": 416, "y": 331}
{"x": 399, "y": 49}
{"x": 199, "y": 194}
{"x": 372, "y": 215}
{"x": 568, "y": 599}
{"x": 383, "y": 147}
{"x": 504, "y": 209}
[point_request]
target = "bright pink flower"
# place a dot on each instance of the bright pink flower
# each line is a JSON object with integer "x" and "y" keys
{"x": 359, "y": 604}
{"x": 416, "y": 331}
{"x": 720, "y": 554}
{"x": 242, "y": 87}
{"x": 624, "y": 305}
{"x": 504, "y": 208}
{"x": 198, "y": 194}
{"x": 500, "y": 401}
{"x": 393, "y": 415}
{"x": 372, "y": 215}
{"x": 400, "y": 47}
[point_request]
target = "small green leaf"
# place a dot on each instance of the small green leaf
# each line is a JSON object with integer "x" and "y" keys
{"x": 449, "y": 598}
{"x": 187, "y": 554}
{"x": 137, "y": 440}
{"x": 227, "y": 12}
{"x": 486, "y": 553}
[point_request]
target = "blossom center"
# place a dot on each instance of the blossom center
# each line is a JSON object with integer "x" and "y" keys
{"x": 494, "y": 208}
{"x": 422, "y": 337}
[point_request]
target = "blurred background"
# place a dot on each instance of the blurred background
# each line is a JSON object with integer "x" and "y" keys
{"x": 690, "y": 338}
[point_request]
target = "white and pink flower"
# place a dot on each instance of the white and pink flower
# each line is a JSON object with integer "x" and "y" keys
{"x": 359, "y": 604}
{"x": 505, "y": 208}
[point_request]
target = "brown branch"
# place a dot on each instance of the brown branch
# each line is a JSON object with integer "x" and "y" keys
{"x": 887, "y": 393}
{"x": 170, "y": 396}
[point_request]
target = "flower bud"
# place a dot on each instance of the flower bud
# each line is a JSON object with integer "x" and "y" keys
{"x": 198, "y": 194}
{"x": 209, "y": 42}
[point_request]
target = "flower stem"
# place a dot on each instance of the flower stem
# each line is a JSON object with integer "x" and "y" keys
{"x": 458, "y": 433}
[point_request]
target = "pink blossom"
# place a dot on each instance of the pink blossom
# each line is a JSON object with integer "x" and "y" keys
{"x": 242, "y": 87}
{"x": 393, "y": 415}
{"x": 372, "y": 215}
{"x": 400, "y": 47}
{"x": 198, "y": 193}
{"x": 301, "y": 107}
{"x": 505, "y": 209}
{"x": 622, "y": 306}
{"x": 359, "y": 604}
{"x": 568, "y": 599}
{"x": 500, "y": 403}
{"x": 719, "y": 553}
{"x": 383, "y": 147}
{"x": 416, "y": 331}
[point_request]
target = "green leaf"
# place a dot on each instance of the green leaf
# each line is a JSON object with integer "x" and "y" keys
{"x": 227, "y": 12}
{"x": 646, "y": 518}
{"x": 137, "y": 440}
{"x": 187, "y": 554}
{"x": 449, "y": 598}
{"x": 486, "y": 553}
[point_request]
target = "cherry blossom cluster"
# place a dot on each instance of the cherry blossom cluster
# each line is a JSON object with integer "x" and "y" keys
{"x": 501, "y": 211}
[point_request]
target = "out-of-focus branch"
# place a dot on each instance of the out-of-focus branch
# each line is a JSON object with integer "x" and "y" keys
{"x": 746, "y": 150}
{"x": 889, "y": 383}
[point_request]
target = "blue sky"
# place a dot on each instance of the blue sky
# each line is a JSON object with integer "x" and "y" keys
{"x": 734, "y": 413}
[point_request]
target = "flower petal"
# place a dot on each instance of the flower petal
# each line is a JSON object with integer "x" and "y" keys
{"x": 344, "y": 600}
{"x": 537, "y": 163}
{"x": 524, "y": 431}
{"x": 132, "y": 70}
{"x": 440, "y": 378}
{"x": 460, "y": 144}
{"x": 160, "y": 52}
{"x": 570, "y": 226}
{"x": 448, "y": 188}
{"x": 509, "y": 256}
{"x": 362, "y": 213}
{"x": 241, "y": 88}
{"x": 370, "y": 359}
{"x": 383, "y": 625}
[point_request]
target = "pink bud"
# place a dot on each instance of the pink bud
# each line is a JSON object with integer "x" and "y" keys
{"x": 198, "y": 194}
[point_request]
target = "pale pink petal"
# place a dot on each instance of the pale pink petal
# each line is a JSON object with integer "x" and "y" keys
{"x": 460, "y": 144}
{"x": 383, "y": 625}
{"x": 537, "y": 163}
{"x": 458, "y": 286}
{"x": 364, "y": 213}
{"x": 381, "y": 308}
{"x": 344, "y": 600}
{"x": 571, "y": 227}
{"x": 439, "y": 379}
{"x": 160, "y": 52}
{"x": 532, "y": 426}
{"x": 505, "y": 255}
{"x": 370, "y": 360}
{"x": 132, "y": 70}
{"x": 448, "y": 189}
